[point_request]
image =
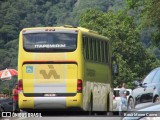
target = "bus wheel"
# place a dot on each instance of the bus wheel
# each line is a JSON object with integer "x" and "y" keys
{"x": 131, "y": 103}
{"x": 108, "y": 113}
{"x": 90, "y": 106}
{"x": 157, "y": 99}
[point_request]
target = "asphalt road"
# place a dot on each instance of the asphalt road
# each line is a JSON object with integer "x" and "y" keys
{"x": 62, "y": 116}
{"x": 66, "y": 118}
{"x": 143, "y": 105}
{"x": 73, "y": 117}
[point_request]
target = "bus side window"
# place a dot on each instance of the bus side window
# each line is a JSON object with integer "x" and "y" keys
{"x": 106, "y": 52}
{"x": 96, "y": 52}
{"x": 103, "y": 51}
{"x": 84, "y": 47}
{"x": 94, "y": 49}
{"x": 87, "y": 48}
{"x": 91, "y": 49}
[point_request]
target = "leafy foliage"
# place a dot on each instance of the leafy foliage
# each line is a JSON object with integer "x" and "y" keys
{"x": 134, "y": 60}
{"x": 124, "y": 29}
{"x": 149, "y": 11}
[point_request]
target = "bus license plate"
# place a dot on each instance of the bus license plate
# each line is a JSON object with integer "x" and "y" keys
{"x": 49, "y": 95}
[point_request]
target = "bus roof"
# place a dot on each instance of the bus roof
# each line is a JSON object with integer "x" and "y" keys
{"x": 65, "y": 27}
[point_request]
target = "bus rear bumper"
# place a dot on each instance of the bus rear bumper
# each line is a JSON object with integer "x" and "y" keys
{"x": 50, "y": 102}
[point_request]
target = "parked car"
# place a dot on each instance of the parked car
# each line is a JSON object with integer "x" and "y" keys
{"x": 6, "y": 105}
{"x": 117, "y": 99}
{"x": 1, "y": 109}
{"x": 150, "y": 112}
{"x": 147, "y": 91}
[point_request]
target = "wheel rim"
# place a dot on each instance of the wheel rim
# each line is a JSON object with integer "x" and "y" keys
{"x": 157, "y": 99}
{"x": 131, "y": 104}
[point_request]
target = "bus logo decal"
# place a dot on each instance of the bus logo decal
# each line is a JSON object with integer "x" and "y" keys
{"x": 51, "y": 46}
{"x": 52, "y": 72}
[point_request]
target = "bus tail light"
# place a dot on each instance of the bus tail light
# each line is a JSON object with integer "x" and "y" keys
{"x": 79, "y": 86}
{"x": 20, "y": 85}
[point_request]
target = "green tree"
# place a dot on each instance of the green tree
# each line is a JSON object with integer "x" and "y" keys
{"x": 149, "y": 11}
{"x": 6, "y": 91}
{"x": 120, "y": 28}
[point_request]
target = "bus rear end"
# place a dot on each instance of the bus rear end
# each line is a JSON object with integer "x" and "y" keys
{"x": 48, "y": 69}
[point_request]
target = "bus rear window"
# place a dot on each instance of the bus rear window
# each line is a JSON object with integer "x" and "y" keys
{"x": 50, "y": 42}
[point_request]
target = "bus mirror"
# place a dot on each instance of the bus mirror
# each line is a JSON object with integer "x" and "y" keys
{"x": 113, "y": 58}
{"x": 115, "y": 66}
{"x": 115, "y": 69}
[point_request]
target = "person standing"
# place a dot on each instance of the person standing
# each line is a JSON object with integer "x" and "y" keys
{"x": 123, "y": 98}
{"x": 15, "y": 98}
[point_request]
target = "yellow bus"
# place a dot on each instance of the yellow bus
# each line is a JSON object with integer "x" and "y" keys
{"x": 61, "y": 68}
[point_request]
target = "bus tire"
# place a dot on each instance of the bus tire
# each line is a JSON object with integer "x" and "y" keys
{"x": 90, "y": 105}
{"x": 108, "y": 113}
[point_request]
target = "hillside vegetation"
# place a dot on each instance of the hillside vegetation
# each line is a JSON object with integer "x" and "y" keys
{"x": 132, "y": 26}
